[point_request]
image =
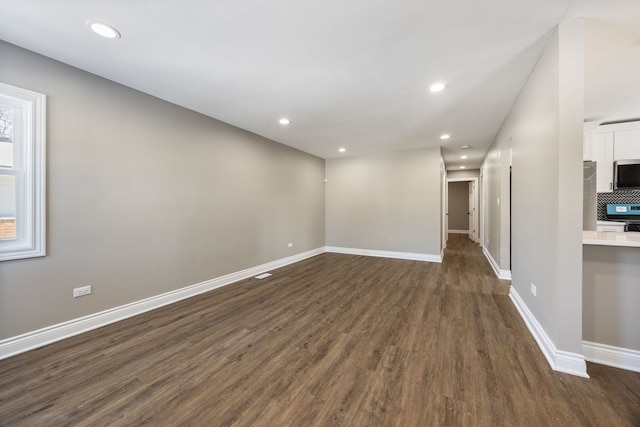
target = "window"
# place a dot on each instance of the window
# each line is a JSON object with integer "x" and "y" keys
{"x": 22, "y": 173}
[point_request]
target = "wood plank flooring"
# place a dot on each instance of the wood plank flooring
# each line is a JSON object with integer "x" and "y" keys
{"x": 332, "y": 340}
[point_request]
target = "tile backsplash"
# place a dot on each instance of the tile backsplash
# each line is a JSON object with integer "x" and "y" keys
{"x": 615, "y": 197}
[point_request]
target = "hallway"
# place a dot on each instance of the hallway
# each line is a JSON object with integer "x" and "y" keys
{"x": 332, "y": 340}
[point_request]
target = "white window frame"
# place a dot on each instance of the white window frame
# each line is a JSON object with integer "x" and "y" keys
{"x": 29, "y": 170}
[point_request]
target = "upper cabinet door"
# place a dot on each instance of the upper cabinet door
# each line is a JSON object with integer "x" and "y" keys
{"x": 602, "y": 153}
{"x": 626, "y": 144}
{"x": 587, "y": 140}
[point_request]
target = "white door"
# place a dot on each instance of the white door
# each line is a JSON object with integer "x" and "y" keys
{"x": 472, "y": 211}
{"x": 445, "y": 218}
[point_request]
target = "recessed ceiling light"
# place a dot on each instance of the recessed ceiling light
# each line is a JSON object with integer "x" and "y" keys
{"x": 463, "y": 157}
{"x": 285, "y": 121}
{"x": 445, "y": 136}
{"x": 465, "y": 147}
{"x": 437, "y": 87}
{"x": 463, "y": 167}
{"x": 342, "y": 150}
{"x": 103, "y": 29}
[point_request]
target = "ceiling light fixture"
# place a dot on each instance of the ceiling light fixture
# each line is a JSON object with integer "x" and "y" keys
{"x": 463, "y": 157}
{"x": 437, "y": 87}
{"x": 465, "y": 147}
{"x": 463, "y": 167}
{"x": 285, "y": 121}
{"x": 445, "y": 136}
{"x": 342, "y": 150}
{"x": 104, "y": 30}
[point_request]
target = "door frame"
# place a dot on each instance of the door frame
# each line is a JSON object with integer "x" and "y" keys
{"x": 476, "y": 219}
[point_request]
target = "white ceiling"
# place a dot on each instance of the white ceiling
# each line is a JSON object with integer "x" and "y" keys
{"x": 351, "y": 74}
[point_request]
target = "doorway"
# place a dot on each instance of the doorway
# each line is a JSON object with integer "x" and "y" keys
{"x": 462, "y": 207}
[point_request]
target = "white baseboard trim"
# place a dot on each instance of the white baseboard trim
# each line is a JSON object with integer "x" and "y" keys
{"x": 561, "y": 361}
{"x": 385, "y": 254}
{"x": 502, "y": 274}
{"x": 609, "y": 355}
{"x": 41, "y": 337}
{"x": 458, "y": 231}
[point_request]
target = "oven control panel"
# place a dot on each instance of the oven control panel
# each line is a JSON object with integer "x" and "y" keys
{"x": 623, "y": 209}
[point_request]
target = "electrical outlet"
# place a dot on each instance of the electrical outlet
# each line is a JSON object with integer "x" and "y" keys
{"x": 533, "y": 290}
{"x": 290, "y": 245}
{"x": 80, "y": 292}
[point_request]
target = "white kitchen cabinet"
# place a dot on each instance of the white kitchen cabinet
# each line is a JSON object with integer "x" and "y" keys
{"x": 587, "y": 144}
{"x": 587, "y": 148}
{"x": 626, "y": 144}
{"x": 602, "y": 154}
{"x": 606, "y": 143}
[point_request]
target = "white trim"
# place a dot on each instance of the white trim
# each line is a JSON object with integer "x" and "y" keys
{"x": 481, "y": 208}
{"x": 458, "y": 231}
{"x": 31, "y": 340}
{"x": 385, "y": 254}
{"x": 463, "y": 179}
{"x": 502, "y": 274}
{"x": 561, "y": 361}
{"x": 444, "y": 203}
{"x": 31, "y": 167}
{"x": 609, "y": 355}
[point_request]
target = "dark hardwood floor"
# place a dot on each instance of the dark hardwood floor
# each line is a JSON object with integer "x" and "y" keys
{"x": 332, "y": 340}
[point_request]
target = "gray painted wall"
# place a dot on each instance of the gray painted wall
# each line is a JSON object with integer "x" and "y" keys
{"x": 389, "y": 202}
{"x": 544, "y": 130}
{"x": 145, "y": 197}
{"x": 611, "y": 292}
{"x": 458, "y": 208}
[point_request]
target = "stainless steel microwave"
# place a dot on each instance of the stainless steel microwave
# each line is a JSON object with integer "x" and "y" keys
{"x": 626, "y": 175}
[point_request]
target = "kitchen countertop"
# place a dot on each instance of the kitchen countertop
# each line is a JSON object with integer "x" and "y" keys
{"x": 610, "y": 222}
{"x": 629, "y": 239}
